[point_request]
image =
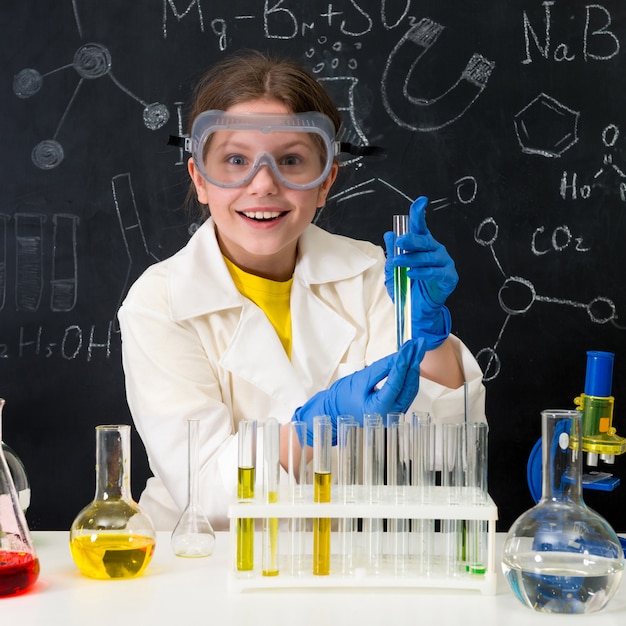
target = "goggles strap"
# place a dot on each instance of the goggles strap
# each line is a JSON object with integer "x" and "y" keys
{"x": 364, "y": 151}
{"x": 180, "y": 142}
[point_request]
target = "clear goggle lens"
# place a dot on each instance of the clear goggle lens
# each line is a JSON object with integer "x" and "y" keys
{"x": 230, "y": 149}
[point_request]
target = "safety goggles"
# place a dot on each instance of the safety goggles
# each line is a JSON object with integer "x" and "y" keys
{"x": 228, "y": 149}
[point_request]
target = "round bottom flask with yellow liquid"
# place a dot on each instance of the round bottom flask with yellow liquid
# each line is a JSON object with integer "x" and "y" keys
{"x": 112, "y": 538}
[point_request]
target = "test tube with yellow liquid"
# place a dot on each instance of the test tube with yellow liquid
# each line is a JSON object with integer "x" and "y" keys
{"x": 271, "y": 477}
{"x": 246, "y": 476}
{"x": 322, "y": 446}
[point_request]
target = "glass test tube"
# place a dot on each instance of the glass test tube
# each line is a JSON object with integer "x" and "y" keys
{"x": 271, "y": 479}
{"x": 245, "y": 491}
{"x": 423, "y": 478}
{"x": 347, "y": 479}
{"x": 401, "y": 286}
{"x": 322, "y": 446}
{"x": 453, "y": 477}
{"x": 296, "y": 476}
{"x": 476, "y": 541}
{"x": 398, "y": 477}
{"x": 373, "y": 479}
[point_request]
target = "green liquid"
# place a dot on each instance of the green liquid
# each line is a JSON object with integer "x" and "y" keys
{"x": 402, "y": 299}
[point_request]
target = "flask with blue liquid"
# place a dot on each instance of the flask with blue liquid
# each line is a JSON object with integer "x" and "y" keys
{"x": 560, "y": 556}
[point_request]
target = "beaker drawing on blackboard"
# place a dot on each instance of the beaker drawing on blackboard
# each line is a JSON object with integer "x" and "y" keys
{"x": 341, "y": 90}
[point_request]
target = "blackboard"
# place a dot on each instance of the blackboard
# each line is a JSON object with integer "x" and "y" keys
{"x": 508, "y": 115}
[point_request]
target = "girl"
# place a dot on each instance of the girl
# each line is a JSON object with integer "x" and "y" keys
{"x": 263, "y": 314}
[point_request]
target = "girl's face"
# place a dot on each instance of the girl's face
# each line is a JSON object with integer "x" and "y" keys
{"x": 259, "y": 223}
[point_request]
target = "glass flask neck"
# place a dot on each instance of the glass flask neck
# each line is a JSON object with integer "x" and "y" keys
{"x": 562, "y": 456}
{"x": 113, "y": 462}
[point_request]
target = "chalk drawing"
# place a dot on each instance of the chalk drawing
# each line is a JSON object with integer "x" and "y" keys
{"x": 29, "y": 260}
{"x": 131, "y": 229}
{"x": 517, "y": 295}
{"x": 91, "y": 61}
{"x": 421, "y": 113}
{"x": 64, "y": 280}
{"x": 546, "y": 127}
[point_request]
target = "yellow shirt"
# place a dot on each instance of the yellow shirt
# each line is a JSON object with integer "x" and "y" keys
{"x": 271, "y": 296}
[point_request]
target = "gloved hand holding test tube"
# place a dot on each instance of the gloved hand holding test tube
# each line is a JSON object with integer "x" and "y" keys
{"x": 432, "y": 271}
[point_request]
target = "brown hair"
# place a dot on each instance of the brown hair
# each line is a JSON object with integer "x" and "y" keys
{"x": 251, "y": 75}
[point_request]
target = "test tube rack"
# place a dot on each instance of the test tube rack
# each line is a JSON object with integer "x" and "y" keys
{"x": 411, "y": 569}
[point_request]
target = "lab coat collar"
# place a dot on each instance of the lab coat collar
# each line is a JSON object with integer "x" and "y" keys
{"x": 200, "y": 283}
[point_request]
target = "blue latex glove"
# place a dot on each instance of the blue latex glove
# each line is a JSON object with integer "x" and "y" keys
{"x": 432, "y": 272}
{"x": 356, "y": 393}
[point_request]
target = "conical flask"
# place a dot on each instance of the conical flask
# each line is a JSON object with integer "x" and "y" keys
{"x": 561, "y": 556}
{"x": 19, "y": 565}
{"x": 19, "y": 476}
{"x": 193, "y": 536}
{"x": 112, "y": 537}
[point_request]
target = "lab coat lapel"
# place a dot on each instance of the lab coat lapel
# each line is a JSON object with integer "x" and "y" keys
{"x": 257, "y": 356}
{"x": 320, "y": 338}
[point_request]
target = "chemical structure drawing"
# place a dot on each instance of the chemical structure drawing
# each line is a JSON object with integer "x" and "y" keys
{"x": 546, "y": 127}
{"x": 91, "y": 61}
{"x": 517, "y": 294}
{"x": 429, "y": 114}
{"x": 608, "y": 176}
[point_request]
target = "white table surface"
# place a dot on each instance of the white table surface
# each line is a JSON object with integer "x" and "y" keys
{"x": 181, "y": 591}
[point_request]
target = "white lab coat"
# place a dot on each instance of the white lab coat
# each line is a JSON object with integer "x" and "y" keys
{"x": 193, "y": 346}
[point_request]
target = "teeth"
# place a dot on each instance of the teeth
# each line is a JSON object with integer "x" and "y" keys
{"x": 261, "y": 215}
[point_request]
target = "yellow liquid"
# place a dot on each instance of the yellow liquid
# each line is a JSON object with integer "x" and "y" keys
{"x": 245, "y": 527}
{"x": 321, "y": 527}
{"x": 270, "y": 557}
{"x": 103, "y": 555}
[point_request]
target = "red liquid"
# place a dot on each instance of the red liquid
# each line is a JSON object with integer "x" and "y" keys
{"x": 18, "y": 571}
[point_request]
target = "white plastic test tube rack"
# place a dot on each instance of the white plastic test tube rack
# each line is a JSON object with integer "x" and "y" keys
{"x": 466, "y": 505}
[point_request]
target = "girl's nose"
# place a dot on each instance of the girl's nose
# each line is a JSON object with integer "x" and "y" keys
{"x": 263, "y": 182}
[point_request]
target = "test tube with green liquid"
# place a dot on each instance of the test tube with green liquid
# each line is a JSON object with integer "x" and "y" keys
{"x": 401, "y": 286}
{"x": 271, "y": 478}
{"x": 246, "y": 477}
{"x": 322, "y": 446}
{"x": 477, "y": 434}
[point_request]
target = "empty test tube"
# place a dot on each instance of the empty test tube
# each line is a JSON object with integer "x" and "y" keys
{"x": 373, "y": 479}
{"x": 322, "y": 446}
{"x": 296, "y": 476}
{"x": 398, "y": 477}
{"x": 347, "y": 480}
{"x": 401, "y": 286}
{"x": 453, "y": 477}
{"x": 423, "y": 479}
{"x": 245, "y": 491}
{"x": 271, "y": 478}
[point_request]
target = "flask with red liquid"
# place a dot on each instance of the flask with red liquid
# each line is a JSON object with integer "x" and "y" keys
{"x": 19, "y": 565}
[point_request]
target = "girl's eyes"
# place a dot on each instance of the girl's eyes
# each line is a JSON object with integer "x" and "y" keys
{"x": 288, "y": 160}
{"x": 291, "y": 159}
{"x": 236, "y": 159}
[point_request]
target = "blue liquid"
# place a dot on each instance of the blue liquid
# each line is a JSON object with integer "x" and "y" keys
{"x": 561, "y": 582}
